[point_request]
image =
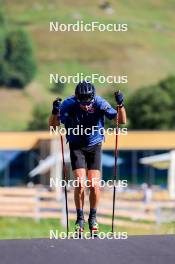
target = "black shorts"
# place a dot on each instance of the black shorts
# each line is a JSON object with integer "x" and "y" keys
{"x": 85, "y": 157}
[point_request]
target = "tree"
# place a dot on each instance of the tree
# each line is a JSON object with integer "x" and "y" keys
{"x": 168, "y": 85}
{"x": 2, "y": 17}
{"x": 3, "y": 66}
{"x": 2, "y": 63}
{"x": 17, "y": 61}
{"x": 151, "y": 108}
{"x": 20, "y": 59}
{"x": 39, "y": 117}
{"x": 58, "y": 88}
{"x": 3, "y": 72}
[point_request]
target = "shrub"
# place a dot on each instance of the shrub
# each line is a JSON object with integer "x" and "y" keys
{"x": 3, "y": 66}
{"x": 3, "y": 72}
{"x": 2, "y": 17}
{"x": 150, "y": 108}
{"x": 58, "y": 88}
{"x": 40, "y": 117}
{"x": 20, "y": 59}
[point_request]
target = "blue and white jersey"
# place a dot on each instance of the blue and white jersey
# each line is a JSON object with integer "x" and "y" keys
{"x": 92, "y": 121}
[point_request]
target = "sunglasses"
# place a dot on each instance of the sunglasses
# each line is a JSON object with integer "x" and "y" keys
{"x": 85, "y": 98}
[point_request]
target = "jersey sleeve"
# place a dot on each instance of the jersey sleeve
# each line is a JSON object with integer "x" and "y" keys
{"x": 65, "y": 111}
{"x": 106, "y": 108}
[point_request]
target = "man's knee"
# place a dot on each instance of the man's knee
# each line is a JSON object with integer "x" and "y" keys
{"x": 94, "y": 179}
{"x": 80, "y": 185}
{"x": 94, "y": 185}
{"x": 94, "y": 188}
{"x": 80, "y": 176}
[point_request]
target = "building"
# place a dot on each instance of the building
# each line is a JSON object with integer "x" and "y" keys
{"x": 21, "y": 152}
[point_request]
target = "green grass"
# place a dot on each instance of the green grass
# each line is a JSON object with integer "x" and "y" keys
{"x": 15, "y": 228}
{"x": 145, "y": 53}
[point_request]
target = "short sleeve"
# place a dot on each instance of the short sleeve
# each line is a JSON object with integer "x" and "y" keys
{"x": 106, "y": 108}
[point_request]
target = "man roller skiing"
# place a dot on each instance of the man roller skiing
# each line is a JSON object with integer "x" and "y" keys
{"x": 86, "y": 110}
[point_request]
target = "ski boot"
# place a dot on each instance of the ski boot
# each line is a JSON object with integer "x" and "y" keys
{"x": 79, "y": 227}
{"x": 93, "y": 226}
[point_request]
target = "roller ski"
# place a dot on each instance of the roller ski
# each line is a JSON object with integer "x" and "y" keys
{"x": 93, "y": 227}
{"x": 79, "y": 227}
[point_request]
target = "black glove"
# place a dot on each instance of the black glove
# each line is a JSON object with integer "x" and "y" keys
{"x": 119, "y": 97}
{"x": 56, "y": 106}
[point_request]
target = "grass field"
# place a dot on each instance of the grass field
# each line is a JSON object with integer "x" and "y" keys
{"x": 145, "y": 53}
{"x": 11, "y": 228}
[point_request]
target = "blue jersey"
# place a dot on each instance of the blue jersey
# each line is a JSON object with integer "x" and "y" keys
{"x": 85, "y": 128}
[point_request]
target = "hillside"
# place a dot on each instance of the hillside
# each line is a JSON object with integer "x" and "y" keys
{"x": 145, "y": 53}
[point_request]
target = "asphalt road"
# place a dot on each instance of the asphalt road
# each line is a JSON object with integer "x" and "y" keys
{"x": 134, "y": 250}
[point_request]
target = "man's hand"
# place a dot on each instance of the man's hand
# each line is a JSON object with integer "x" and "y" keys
{"x": 56, "y": 106}
{"x": 54, "y": 119}
{"x": 119, "y": 97}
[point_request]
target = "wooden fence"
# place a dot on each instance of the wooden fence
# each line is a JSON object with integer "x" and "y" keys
{"x": 40, "y": 203}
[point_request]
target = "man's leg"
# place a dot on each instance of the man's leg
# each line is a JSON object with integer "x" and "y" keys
{"x": 93, "y": 159}
{"x": 78, "y": 167}
{"x": 80, "y": 176}
{"x": 94, "y": 178}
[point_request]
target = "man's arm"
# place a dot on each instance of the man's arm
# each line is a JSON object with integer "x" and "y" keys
{"x": 54, "y": 117}
{"x": 110, "y": 112}
{"x": 122, "y": 115}
{"x": 54, "y": 121}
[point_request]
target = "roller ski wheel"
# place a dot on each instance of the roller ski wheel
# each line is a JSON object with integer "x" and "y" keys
{"x": 93, "y": 227}
{"x": 79, "y": 228}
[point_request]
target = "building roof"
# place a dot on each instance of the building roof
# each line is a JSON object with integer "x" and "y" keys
{"x": 133, "y": 140}
{"x": 161, "y": 161}
{"x": 143, "y": 140}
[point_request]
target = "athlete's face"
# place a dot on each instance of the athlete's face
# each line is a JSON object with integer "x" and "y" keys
{"x": 86, "y": 106}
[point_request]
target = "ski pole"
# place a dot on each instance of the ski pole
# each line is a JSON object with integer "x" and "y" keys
{"x": 115, "y": 166}
{"x": 65, "y": 188}
{"x": 64, "y": 177}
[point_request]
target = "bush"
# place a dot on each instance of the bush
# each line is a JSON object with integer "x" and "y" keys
{"x": 150, "y": 108}
{"x": 168, "y": 85}
{"x": 3, "y": 72}
{"x": 2, "y": 18}
{"x": 17, "y": 62}
{"x": 2, "y": 44}
{"x": 58, "y": 88}
{"x": 20, "y": 59}
{"x": 3, "y": 66}
{"x": 40, "y": 117}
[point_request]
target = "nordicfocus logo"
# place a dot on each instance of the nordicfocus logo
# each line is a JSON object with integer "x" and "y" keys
{"x": 57, "y": 183}
{"x": 79, "y": 130}
{"x": 80, "y": 26}
{"x": 55, "y": 234}
{"x": 94, "y": 77}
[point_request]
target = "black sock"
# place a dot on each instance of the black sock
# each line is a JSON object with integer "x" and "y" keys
{"x": 93, "y": 212}
{"x": 80, "y": 213}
